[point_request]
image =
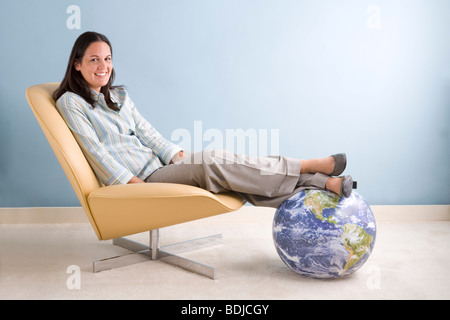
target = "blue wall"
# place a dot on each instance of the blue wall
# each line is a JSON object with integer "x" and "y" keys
{"x": 371, "y": 78}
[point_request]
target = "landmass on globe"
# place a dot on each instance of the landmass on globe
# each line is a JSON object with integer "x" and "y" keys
{"x": 354, "y": 238}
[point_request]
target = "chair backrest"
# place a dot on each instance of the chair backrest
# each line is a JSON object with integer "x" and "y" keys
{"x": 69, "y": 154}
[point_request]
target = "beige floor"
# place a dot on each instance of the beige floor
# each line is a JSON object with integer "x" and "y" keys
{"x": 411, "y": 260}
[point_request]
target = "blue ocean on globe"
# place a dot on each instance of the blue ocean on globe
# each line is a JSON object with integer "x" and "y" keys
{"x": 322, "y": 235}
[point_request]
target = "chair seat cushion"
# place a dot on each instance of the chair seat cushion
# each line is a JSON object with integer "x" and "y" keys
{"x": 121, "y": 210}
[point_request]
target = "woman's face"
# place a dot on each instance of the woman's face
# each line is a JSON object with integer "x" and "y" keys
{"x": 96, "y": 65}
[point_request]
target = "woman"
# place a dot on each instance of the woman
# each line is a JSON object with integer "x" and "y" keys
{"x": 123, "y": 147}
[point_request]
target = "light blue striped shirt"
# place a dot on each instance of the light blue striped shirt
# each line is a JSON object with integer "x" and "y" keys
{"x": 118, "y": 145}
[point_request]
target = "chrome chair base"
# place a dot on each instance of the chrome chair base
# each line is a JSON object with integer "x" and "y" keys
{"x": 168, "y": 254}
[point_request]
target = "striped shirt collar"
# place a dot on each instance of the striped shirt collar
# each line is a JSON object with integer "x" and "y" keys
{"x": 114, "y": 94}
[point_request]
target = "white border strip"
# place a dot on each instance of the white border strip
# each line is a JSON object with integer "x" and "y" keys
{"x": 44, "y": 215}
{"x": 411, "y": 212}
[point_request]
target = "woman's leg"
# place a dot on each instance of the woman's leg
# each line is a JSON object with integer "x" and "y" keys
{"x": 220, "y": 170}
{"x": 333, "y": 165}
{"x": 305, "y": 181}
{"x": 266, "y": 181}
{"x": 322, "y": 165}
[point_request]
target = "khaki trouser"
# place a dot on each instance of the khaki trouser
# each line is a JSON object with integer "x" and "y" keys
{"x": 262, "y": 181}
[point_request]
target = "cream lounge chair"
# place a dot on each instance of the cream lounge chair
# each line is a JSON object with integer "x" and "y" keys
{"x": 122, "y": 210}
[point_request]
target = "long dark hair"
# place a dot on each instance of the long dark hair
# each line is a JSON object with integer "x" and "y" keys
{"x": 73, "y": 80}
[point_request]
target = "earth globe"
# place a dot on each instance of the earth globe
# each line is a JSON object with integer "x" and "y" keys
{"x": 320, "y": 234}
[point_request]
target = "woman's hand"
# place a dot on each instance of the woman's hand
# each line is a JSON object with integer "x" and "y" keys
{"x": 178, "y": 157}
{"x": 135, "y": 180}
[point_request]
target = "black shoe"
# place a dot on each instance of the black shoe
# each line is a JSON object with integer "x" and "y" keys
{"x": 347, "y": 186}
{"x": 340, "y": 162}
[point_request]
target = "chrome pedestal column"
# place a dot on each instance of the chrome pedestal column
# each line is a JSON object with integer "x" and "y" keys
{"x": 168, "y": 254}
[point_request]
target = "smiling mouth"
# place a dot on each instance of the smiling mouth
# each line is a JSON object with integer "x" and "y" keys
{"x": 101, "y": 74}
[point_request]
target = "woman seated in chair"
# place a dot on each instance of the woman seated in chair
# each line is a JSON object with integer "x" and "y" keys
{"x": 122, "y": 147}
